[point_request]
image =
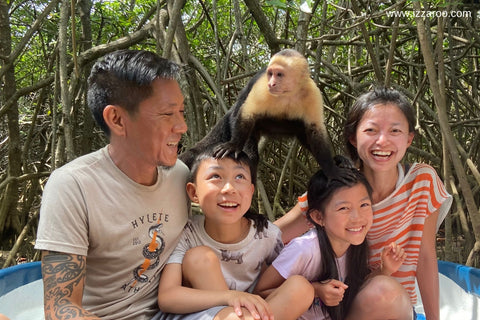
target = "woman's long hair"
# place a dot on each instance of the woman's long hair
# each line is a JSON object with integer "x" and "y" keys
{"x": 320, "y": 191}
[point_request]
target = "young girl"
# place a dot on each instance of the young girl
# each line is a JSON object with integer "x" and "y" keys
{"x": 409, "y": 202}
{"x": 340, "y": 209}
{"x": 221, "y": 253}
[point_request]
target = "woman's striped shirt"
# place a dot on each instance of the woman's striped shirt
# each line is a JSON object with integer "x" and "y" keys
{"x": 401, "y": 218}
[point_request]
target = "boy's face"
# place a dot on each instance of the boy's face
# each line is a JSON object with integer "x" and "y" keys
{"x": 223, "y": 189}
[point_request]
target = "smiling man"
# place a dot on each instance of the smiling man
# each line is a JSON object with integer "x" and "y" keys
{"x": 110, "y": 219}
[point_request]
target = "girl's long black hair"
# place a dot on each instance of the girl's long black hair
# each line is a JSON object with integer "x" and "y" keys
{"x": 320, "y": 191}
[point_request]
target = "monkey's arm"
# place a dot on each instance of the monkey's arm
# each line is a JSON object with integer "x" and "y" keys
{"x": 241, "y": 131}
{"x": 220, "y": 133}
{"x": 244, "y": 115}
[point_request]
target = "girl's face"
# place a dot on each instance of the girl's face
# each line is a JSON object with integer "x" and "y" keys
{"x": 382, "y": 137}
{"x": 347, "y": 217}
{"x": 223, "y": 189}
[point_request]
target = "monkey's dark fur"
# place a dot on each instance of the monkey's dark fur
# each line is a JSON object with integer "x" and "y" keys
{"x": 222, "y": 131}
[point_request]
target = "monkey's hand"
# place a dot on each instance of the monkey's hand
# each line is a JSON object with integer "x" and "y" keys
{"x": 226, "y": 148}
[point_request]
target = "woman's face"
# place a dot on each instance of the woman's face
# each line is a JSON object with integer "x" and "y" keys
{"x": 382, "y": 137}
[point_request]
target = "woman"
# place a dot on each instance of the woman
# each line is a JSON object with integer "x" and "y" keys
{"x": 409, "y": 201}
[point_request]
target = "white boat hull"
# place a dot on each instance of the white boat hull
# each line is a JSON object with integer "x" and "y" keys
{"x": 21, "y": 292}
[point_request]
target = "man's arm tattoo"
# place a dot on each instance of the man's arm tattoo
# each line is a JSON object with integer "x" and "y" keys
{"x": 62, "y": 276}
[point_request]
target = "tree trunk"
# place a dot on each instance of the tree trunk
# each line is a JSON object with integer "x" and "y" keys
{"x": 84, "y": 9}
{"x": 65, "y": 96}
{"x": 175, "y": 12}
{"x": 263, "y": 24}
{"x": 439, "y": 98}
{"x": 9, "y": 198}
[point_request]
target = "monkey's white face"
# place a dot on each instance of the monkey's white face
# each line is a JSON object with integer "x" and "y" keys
{"x": 279, "y": 80}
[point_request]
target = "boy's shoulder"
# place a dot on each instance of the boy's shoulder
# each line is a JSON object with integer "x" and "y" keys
{"x": 273, "y": 227}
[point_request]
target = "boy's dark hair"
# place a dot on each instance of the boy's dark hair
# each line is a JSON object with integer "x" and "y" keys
{"x": 124, "y": 78}
{"x": 259, "y": 220}
{"x": 379, "y": 95}
{"x": 320, "y": 190}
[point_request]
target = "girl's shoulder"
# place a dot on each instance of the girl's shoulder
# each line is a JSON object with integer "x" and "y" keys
{"x": 303, "y": 248}
{"x": 310, "y": 237}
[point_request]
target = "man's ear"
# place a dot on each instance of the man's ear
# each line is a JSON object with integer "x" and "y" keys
{"x": 192, "y": 192}
{"x": 114, "y": 117}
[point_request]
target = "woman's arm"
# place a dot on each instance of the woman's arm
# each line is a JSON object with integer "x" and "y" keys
{"x": 427, "y": 269}
{"x": 293, "y": 224}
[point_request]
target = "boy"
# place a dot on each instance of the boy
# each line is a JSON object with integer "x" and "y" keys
{"x": 221, "y": 253}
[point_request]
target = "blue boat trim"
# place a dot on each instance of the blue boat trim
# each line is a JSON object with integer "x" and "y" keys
{"x": 466, "y": 277}
{"x": 19, "y": 275}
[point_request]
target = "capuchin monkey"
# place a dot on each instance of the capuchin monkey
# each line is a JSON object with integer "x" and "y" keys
{"x": 280, "y": 101}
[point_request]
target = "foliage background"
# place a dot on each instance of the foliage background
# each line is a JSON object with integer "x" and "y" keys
{"x": 429, "y": 50}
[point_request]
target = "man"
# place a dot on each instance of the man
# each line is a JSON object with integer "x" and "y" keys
{"x": 110, "y": 219}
